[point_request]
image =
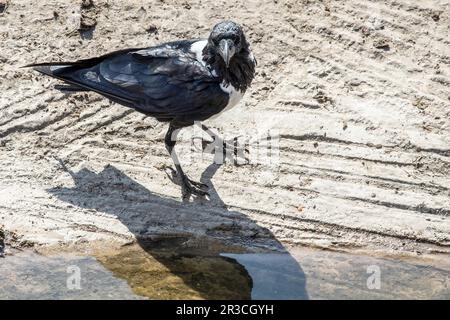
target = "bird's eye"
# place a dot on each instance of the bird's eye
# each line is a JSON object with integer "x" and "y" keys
{"x": 235, "y": 38}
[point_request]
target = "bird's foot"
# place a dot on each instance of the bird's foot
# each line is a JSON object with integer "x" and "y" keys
{"x": 193, "y": 188}
{"x": 188, "y": 187}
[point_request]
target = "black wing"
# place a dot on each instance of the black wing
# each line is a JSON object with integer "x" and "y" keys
{"x": 166, "y": 82}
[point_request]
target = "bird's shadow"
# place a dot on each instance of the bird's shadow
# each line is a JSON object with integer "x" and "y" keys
{"x": 168, "y": 233}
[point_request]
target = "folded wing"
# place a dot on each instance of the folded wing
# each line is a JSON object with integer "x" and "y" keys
{"x": 166, "y": 82}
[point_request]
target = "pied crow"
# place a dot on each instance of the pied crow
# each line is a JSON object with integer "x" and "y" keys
{"x": 178, "y": 82}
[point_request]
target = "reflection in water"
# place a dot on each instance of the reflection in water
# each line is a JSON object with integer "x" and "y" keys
{"x": 274, "y": 276}
{"x": 167, "y": 272}
{"x": 172, "y": 272}
{"x": 176, "y": 268}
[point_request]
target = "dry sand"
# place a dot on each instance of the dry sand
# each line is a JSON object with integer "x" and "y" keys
{"x": 359, "y": 91}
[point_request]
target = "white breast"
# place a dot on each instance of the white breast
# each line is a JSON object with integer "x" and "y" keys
{"x": 235, "y": 95}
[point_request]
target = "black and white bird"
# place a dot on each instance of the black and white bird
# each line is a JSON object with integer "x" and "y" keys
{"x": 178, "y": 82}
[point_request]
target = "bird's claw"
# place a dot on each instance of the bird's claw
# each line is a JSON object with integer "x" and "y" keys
{"x": 190, "y": 187}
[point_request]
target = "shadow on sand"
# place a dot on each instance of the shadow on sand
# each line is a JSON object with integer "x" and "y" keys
{"x": 172, "y": 260}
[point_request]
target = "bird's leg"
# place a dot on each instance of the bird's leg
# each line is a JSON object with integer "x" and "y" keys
{"x": 188, "y": 186}
{"x": 227, "y": 147}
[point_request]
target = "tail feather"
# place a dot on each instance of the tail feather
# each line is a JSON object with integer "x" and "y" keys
{"x": 68, "y": 72}
{"x": 69, "y": 88}
{"x": 83, "y": 63}
{"x": 55, "y": 70}
{"x": 48, "y": 68}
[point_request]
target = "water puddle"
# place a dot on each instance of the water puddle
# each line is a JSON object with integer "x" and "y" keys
{"x": 184, "y": 268}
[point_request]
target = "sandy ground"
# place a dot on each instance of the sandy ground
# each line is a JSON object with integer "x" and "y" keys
{"x": 358, "y": 90}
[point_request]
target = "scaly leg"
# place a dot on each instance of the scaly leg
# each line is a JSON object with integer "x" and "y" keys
{"x": 188, "y": 186}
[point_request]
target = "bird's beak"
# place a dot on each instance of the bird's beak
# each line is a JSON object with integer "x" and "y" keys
{"x": 226, "y": 50}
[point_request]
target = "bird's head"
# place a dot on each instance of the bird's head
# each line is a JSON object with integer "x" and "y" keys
{"x": 227, "y": 39}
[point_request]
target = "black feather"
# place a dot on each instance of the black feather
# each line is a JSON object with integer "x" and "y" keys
{"x": 166, "y": 81}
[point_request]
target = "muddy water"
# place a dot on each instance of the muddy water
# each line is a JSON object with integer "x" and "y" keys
{"x": 184, "y": 269}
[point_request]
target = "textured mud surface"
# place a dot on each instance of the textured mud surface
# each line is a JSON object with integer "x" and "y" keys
{"x": 359, "y": 91}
